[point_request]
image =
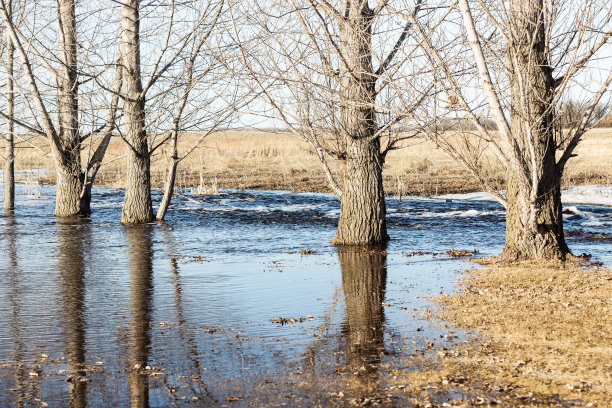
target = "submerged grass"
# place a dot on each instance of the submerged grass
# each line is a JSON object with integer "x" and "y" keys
{"x": 542, "y": 337}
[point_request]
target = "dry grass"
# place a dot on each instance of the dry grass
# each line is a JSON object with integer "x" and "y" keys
{"x": 593, "y": 165}
{"x": 266, "y": 160}
{"x": 544, "y": 339}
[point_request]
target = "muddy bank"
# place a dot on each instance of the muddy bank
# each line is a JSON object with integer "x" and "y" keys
{"x": 416, "y": 184}
{"x": 313, "y": 181}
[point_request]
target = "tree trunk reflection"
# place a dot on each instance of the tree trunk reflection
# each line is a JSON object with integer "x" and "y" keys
{"x": 364, "y": 278}
{"x": 73, "y": 241}
{"x": 185, "y": 335}
{"x": 141, "y": 289}
{"x": 24, "y": 395}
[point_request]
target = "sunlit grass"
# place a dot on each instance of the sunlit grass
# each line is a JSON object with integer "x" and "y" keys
{"x": 267, "y": 160}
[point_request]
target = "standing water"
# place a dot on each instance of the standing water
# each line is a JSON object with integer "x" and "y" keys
{"x": 237, "y": 299}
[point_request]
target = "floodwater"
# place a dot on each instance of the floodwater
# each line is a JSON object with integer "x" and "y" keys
{"x": 238, "y": 299}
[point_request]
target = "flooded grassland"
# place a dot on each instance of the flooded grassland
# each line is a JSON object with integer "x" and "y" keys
{"x": 238, "y": 299}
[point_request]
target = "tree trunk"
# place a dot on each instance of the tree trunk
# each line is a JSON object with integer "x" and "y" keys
{"x": 9, "y": 165}
{"x": 169, "y": 186}
{"x": 68, "y": 191}
{"x": 137, "y": 205}
{"x": 68, "y": 164}
{"x": 534, "y": 221}
{"x": 362, "y": 206}
{"x": 168, "y": 191}
{"x": 546, "y": 240}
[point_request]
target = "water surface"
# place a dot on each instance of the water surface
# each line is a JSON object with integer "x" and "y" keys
{"x": 237, "y": 299}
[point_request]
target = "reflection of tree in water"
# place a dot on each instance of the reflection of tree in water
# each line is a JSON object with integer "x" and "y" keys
{"x": 140, "y": 255}
{"x": 185, "y": 335}
{"x": 25, "y": 388}
{"x": 73, "y": 241}
{"x": 364, "y": 278}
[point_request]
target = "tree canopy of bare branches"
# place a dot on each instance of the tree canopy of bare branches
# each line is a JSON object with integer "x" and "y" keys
{"x": 52, "y": 76}
{"x": 324, "y": 70}
{"x": 515, "y": 63}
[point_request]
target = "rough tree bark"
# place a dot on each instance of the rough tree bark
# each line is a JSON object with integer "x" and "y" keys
{"x": 9, "y": 165}
{"x": 362, "y": 207}
{"x": 68, "y": 199}
{"x": 137, "y": 205}
{"x": 534, "y": 221}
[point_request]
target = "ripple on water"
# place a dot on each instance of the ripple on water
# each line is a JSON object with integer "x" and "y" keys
{"x": 193, "y": 299}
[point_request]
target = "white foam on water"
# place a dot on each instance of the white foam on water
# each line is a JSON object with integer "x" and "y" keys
{"x": 590, "y": 219}
{"x": 472, "y": 213}
{"x": 478, "y": 196}
{"x": 591, "y": 194}
{"x": 335, "y": 213}
{"x": 466, "y": 213}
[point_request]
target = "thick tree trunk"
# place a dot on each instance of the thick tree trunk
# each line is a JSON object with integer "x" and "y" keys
{"x": 68, "y": 200}
{"x": 534, "y": 223}
{"x": 9, "y": 165}
{"x": 68, "y": 191}
{"x": 545, "y": 239}
{"x": 362, "y": 207}
{"x": 364, "y": 278}
{"x": 137, "y": 205}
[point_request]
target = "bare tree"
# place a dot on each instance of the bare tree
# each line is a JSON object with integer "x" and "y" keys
{"x": 526, "y": 56}
{"x": 204, "y": 96}
{"x": 571, "y": 113}
{"x": 137, "y": 205}
{"x": 73, "y": 181}
{"x": 184, "y": 83}
{"x": 324, "y": 69}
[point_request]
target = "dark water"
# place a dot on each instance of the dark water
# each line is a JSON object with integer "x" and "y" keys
{"x": 93, "y": 313}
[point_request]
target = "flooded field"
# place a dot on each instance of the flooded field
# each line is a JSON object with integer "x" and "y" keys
{"x": 238, "y": 299}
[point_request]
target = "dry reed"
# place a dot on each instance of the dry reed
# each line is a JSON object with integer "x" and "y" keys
{"x": 269, "y": 160}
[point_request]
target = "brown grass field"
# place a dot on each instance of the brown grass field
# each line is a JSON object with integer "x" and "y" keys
{"x": 269, "y": 160}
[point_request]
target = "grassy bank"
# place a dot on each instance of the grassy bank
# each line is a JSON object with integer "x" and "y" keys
{"x": 267, "y": 160}
{"x": 542, "y": 337}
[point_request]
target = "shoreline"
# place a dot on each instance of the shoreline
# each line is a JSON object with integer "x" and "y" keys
{"x": 537, "y": 339}
{"x": 280, "y": 161}
{"x": 427, "y": 186}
